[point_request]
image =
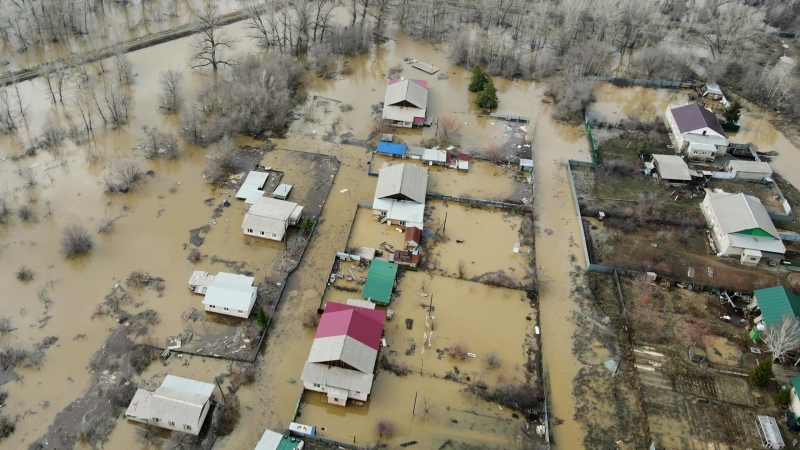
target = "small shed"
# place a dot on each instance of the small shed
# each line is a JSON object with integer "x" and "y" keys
{"x": 380, "y": 281}
{"x": 415, "y": 152}
{"x": 436, "y": 157}
{"x": 282, "y": 191}
{"x": 387, "y": 137}
{"x": 712, "y": 92}
{"x": 697, "y": 354}
{"x": 252, "y": 187}
{"x": 391, "y": 149}
{"x": 749, "y": 170}
{"x": 769, "y": 432}
{"x": 405, "y": 258}
{"x": 199, "y": 282}
{"x": 672, "y": 168}
{"x": 463, "y": 162}
{"x": 413, "y": 235}
{"x": 360, "y": 303}
{"x": 526, "y": 165}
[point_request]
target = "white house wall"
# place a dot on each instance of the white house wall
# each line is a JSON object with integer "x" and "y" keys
{"x": 163, "y": 423}
{"x": 324, "y": 389}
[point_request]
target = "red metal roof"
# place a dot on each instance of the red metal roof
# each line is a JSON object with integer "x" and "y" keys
{"x": 422, "y": 83}
{"x": 413, "y": 234}
{"x": 463, "y": 157}
{"x": 362, "y": 324}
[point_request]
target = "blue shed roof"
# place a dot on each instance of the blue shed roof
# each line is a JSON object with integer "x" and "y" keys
{"x": 388, "y": 148}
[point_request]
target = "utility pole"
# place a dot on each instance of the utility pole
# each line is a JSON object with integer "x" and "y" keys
{"x": 220, "y": 388}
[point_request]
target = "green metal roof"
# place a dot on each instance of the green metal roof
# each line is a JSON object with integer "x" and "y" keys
{"x": 287, "y": 444}
{"x": 380, "y": 281}
{"x": 775, "y": 302}
{"x": 796, "y": 384}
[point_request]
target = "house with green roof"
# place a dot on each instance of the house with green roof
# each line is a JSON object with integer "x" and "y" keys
{"x": 775, "y": 303}
{"x": 380, "y": 281}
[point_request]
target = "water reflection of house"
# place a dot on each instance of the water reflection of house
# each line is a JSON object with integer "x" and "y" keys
{"x": 741, "y": 226}
{"x": 344, "y": 354}
{"x": 400, "y": 195}
{"x": 269, "y": 218}
{"x": 693, "y": 123}
{"x": 179, "y": 404}
{"x": 406, "y": 103}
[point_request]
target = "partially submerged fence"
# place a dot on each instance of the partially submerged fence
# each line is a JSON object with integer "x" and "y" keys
{"x": 478, "y": 202}
{"x": 649, "y": 83}
{"x": 589, "y": 137}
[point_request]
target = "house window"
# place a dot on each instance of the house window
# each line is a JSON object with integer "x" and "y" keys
{"x": 317, "y": 385}
{"x": 156, "y": 419}
{"x": 240, "y": 311}
{"x": 171, "y": 423}
{"x": 274, "y": 235}
{"x": 187, "y": 427}
{"x": 212, "y": 306}
{"x": 336, "y": 399}
{"x": 249, "y": 230}
{"x": 225, "y": 309}
{"x": 262, "y": 233}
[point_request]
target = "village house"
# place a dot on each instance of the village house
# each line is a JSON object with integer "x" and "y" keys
{"x": 406, "y": 103}
{"x": 178, "y": 404}
{"x": 269, "y": 218}
{"x": 694, "y": 124}
{"x": 252, "y": 187}
{"x": 344, "y": 354}
{"x": 400, "y": 195}
{"x": 671, "y": 168}
{"x": 227, "y": 293}
{"x": 462, "y": 163}
{"x": 741, "y": 226}
{"x": 436, "y": 157}
{"x": 749, "y": 170}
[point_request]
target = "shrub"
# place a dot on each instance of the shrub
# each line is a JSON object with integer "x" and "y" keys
{"x": 75, "y": 241}
{"x": 194, "y": 256}
{"x": 492, "y": 359}
{"x": 7, "y": 427}
{"x": 384, "y": 428}
{"x": 784, "y": 395}
{"x": 310, "y": 319}
{"x": 26, "y": 214}
{"x": 121, "y": 396}
{"x": 221, "y": 162}
{"x": 106, "y": 224}
{"x": 227, "y": 416}
{"x": 24, "y": 274}
{"x": 457, "y": 351}
{"x": 141, "y": 357}
{"x": 123, "y": 176}
{"x": 243, "y": 374}
{"x": 261, "y": 318}
{"x": 761, "y": 374}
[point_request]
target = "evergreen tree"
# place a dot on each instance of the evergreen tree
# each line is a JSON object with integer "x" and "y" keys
{"x": 479, "y": 78}
{"x": 261, "y": 318}
{"x": 733, "y": 112}
{"x": 487, "y": 97}
{"x": 762, "y": 373}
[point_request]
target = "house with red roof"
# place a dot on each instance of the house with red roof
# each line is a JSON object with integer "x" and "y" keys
{"x": 344, "y": 354}
{"x": 695, "y": 129}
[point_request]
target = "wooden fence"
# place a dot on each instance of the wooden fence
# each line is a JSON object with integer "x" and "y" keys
{"x": 478, "y": 202}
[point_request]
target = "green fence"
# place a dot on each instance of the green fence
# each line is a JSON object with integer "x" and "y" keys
{"x": 590, "y": 138}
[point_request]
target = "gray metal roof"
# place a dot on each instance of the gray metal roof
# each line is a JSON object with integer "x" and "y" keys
{"x": 338, "y": 377}
{"x": 200, "y": 279}
{"x": 411, "y": 212}
{"x": 267, "y": 225}
{"x": 739, "y": 212}
{"x": 187, "y": 385}
{"x": 272, "y": 208}
{"x": 750, "y": 166}
{"x": 346, "y": 349}
{"x": 231, "y": 291}
{"x": 402, "y": 182}
{"x": 282, "y": 191}
{"x": 406, "y": 92}
{"x": 177, "y": 400}
{"x": 672, "y": 167}
{"x": 251, "y": 188}
{"x": 713, "y": 89}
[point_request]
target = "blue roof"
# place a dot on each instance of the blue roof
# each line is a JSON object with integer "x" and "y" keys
{"x": 388, "y": 148}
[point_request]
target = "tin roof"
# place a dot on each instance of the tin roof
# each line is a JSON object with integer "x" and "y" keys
{"x": 231, "y": 291}
{"x": 178, "y": 400}
{"x": 413, "y": 93}
{"x": 413, "y": 234}
{"x": 363, "y": 324}
{"x": 380, "y": 281}
{"x": 750, "y": 166}
{"x": 739, "y": 213}
{"x": 402, "y": 182}
{"x": 775, "y": 302}
{"x": 339, "y": 377}
{"x": 389, "y": 148}
{"x": 672, "y": 167}
{"x": 251, "y": 188}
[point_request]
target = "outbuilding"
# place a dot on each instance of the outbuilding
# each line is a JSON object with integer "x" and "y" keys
{"x": 672, "y": 168}
{"x": 231, "y": 294}
{"x": 253, "y": 187}
{"x": 391, "y": 149}
{"x": 463, "y": 162}
{"x": 701, "y": 151}
{"x": 769, "y": 432}
{"x": 526, "y": 165}
{"x": 436, "y": 157}
{"x": 380, "y": 281}
{"x": 775, "y": 303}
{"x": 282, "y": 191}
{"x": 413, "y": 236}
{"x": 271, "y": 440}
{"x": 269, "y": 218}
{"x": 749, "y": 170}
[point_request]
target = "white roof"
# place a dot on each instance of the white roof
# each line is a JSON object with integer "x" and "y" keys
{"x": 200, "y": 278}
{"x": 282, "y": 190}
{"x": 771, "y": 432}
{"x": 360, "y": 303}
{"x": 713, "y": 89}
{"x": 346, "y": 349}
{"x": 270, "y": 215}
{"x": 526, "y": 162}
{"x": 412, "y": 212}
{"x": 713, "y": 139}
{"x": 352, "y": 380}
{"x": 402, "y": 181}
{"x": 270, "y": 440}
{"x": 750, "y": 166}
{"x": 739, "y": 212}
{"x": 231, "y": 291}
{"x": 250, "y": 190}
{"x": 434, "y": 155}
{"x": 402, "y": 114}
{"x": 703, "y": 147}
{"x": 178, "y": 400}
{"x": 672, "y": 167}
{"x": 267, "y": 225}
{"x": 762, "y": 244}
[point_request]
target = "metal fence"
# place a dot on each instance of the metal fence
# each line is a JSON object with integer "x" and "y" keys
{"x": 650, "y": 83}
{"x": 479, "y": 202}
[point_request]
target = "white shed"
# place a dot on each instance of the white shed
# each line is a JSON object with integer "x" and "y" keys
{"x": 701, "y": 151}
{"x": 252, "y": 188}
{"x": 749, "y": 170}
{"x": 282, "y": 191}
{"x": 769, "y": 432}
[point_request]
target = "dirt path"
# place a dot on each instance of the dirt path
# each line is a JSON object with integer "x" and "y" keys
{"x": 558, "y": 250}
{"x": 127, "y": 46}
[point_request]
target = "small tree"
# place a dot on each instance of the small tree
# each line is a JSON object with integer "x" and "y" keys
{"x": 384, "y": 428}
{"x": 492, "y": 359}
{"x": 784, "y": 395}
{"x": 733, "y": 112}
{"x": 75, "y": 241}
{"x": 310, "y": 319}
{"x": 487, "y": 98}
{"x": 261, "y": 318}
{"x": 478, "y": 79}
{"x": 761, "y": 374}
{"x": 227, "y": 416}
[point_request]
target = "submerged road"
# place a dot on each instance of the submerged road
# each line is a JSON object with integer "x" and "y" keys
{"x": 557, "y": 237}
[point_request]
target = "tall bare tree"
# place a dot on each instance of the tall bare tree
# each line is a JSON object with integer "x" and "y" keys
{"x": 783, "y": 338}
{"x": 207, "y": 49}
{"x": 170, "y": 98}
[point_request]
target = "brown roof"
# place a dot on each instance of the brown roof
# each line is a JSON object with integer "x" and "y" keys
{"x": 405, "y": 256}
{"x": 693, "y": 117}
{"x": 463, "y": 157}
{"x": 413, "y": 234}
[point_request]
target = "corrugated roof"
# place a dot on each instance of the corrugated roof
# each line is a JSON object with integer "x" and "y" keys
{"x": 177, "y": 400}
{"x": 694, "y": 117}
{"x": 737, "y": 213}
{"x": 345, "y": 349}
{"x": 360, "y": 303}
{"x": 267, "y": 225}
{"x": 389, "y": 148}
{"x": 775, "y": 302}
{"x": 750, "y": 166}
{"x": 525, "y": 162}
{"x": 402, "y": 182}
{"x": 407, "y": 93}
{"x": 380, "y": 281}
{"x": 272, "y": 208}
{"x": 439, "y": 156}
{"x": 251, "y": 188}
{"x": 363, "y": 324}
{"x": 187, "y": 385}
{"x": 672, "y": 167}
{"x": 231, "y": 291}
{"x": 282, "y": 191}
{"x": 339, "y": 377}
{"x": 413, "y": 234}
{"x": 762, "y": 244}
{"x": 200, "y": 278}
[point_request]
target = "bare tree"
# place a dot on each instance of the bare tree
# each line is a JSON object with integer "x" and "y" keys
{"x": 220, "y": 162}
{"x": 492, "y": 359}
{"x": 160, "y": 144}
{"x": 170, "y": 98}
{"x": 380, "y": 12}
{"x": 207, "y": 48}
{"x": 427, "y": 406}
{"x": 384, "y": 428}
{"x": 123, "y": 175}
{"x": 124, "y": 68}
{"x": 784, "y": 337}
{"x": 449, "y": 129}
{"x": 729, "y": 25}
{"x": 75, "y": 241}
{"x": 462, "y": 268}
{"x": 8, "y": 116}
